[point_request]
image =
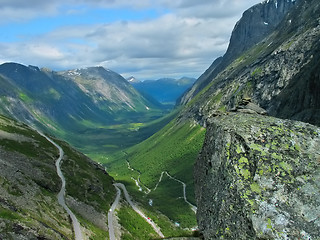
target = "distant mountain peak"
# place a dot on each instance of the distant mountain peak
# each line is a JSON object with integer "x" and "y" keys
{"x": 133, "y": 80}
{"x": 74, "y": 72}
{"x": 34, "y": 68}
{"x": 46, "y": 69}
{"x": 95, "y": 94}
{"x": 164, "y": 90}
{"x": 96, "y": 70}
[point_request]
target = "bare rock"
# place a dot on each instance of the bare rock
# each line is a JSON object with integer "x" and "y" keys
{"x": 257, "y": 177}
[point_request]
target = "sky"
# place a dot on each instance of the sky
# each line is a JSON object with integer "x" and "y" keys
{"x": 147, "y": 39}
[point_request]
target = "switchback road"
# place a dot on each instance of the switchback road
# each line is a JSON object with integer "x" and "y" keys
{"x": 61, "y": 194}
{"x": 119, "y": 186}
{"x": 193, "y": 208}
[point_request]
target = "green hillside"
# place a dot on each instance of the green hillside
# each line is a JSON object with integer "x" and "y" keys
{"x": 174, "y": 149}
{"x": 29, "y": 185}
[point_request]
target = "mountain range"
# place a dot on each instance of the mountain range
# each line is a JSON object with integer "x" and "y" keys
{"x": 240, "y": 155}
{"x": 74, "y": 102}
{"x": 165, "y": 90}
{"x": 255, "y": 24}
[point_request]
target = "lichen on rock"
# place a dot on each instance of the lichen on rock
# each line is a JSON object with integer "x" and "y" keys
{"x": 257, "y": 177}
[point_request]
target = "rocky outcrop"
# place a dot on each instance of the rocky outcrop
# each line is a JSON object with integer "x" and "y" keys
{"x": 257, "y": 177}
{"x": 256, "y": 23}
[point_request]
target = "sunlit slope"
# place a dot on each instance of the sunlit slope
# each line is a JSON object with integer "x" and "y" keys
{"x": 172, "y": 150}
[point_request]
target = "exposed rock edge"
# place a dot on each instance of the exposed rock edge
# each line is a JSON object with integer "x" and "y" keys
{"x": 258, "y": 177}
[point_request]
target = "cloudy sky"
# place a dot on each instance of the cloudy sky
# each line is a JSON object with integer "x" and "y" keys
{"x": 148, "y": 39}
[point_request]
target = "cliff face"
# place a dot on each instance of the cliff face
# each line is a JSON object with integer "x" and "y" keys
{"x": 258, "y": 177}
{"x": 256, "y": 23}
{"x": 280, "y": 73}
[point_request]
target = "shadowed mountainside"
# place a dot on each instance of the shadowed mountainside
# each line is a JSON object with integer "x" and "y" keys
{"x": 255, "y": 24}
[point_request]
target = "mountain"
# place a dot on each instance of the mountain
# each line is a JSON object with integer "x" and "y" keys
{"x": 133, "y": 80}
{"x": 29, "y": 185}
{"x": 29, "y": 182}
{"x": 95, "y": 110}
{"x": 157, "y": 169}
{"x": 280, "y": 73}
{"x": 164, "y": 90}
{"x": 255, "y": 176}
{"x": 255, "y": 24}
{"x": 276, "y": 74}
{"x": 94, "y": 101}
{"x": 107, "y": 89}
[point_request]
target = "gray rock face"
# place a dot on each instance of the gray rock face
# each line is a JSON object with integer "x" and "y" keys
{"x": 256, "y": 23}
{"x": 257, "y": 177}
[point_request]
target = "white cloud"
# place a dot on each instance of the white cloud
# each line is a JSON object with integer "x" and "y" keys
{"x": 19, "y": 11}
{"x": 209, "y": 8}
{"x": 182, "y": 42}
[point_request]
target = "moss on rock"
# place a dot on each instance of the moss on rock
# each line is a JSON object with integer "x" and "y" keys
{"x": 259, "y": 184}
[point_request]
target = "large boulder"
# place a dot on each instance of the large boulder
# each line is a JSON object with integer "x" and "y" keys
{"x": 258, "y": 177}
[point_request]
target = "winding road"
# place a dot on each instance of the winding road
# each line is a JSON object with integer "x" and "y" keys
{"x": 193, "y": 208}
{"x": 119, "y": 186}
{"x": 61, "y": 194}
{"x": 138, "y": 182}
{"x": 110, "y": 215}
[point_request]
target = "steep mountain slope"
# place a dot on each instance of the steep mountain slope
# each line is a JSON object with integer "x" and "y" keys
{"x": 108, "y": 89}
{"x": 165, "y": 90}
{"x": 256, "y": 23}
{"x": 94, "y": 101}
{"x": 280, "y": 73}
{"x": 29, "y": 185}
{"x": 144, "y": 168}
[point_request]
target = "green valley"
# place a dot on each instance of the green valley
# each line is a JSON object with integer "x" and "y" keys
{"x": 212, "y": 166}
{"x": 81, "y": 107}
{"x": 173, "y": 150}
{"x": 94, "y": 102}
